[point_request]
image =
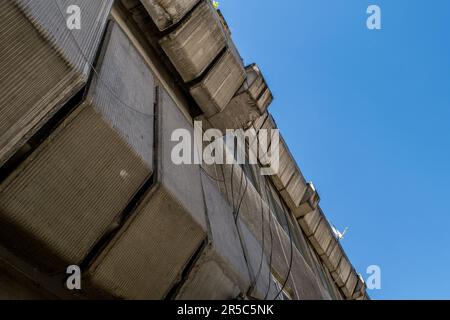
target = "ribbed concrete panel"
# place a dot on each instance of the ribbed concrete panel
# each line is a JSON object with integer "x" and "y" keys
{"x": 72, "y": 189}
{"x": 322, "y": 237}
{"x": 255, "y": 212}
{"x": 343, "y": 272}
{"x": 12, "y": 287}
{"x": 147, "y": 258}
{"x": 310, "y": 222}
{"x": 215, "y": 90}
{"x": 165, "y": 13}
{"x": 360, "y": 288}
{"x": 350, "y": 285}
{"x": 42, "y": 66}
{"x": 194, "y": 45}
{"x": 251, "y": 101}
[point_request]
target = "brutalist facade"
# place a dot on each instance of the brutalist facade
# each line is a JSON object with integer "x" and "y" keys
{"x": 87, "y": 177}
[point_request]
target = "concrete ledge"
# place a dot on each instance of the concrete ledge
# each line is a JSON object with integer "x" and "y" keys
{"x": 309, "y": 201}
{"x": 166, "y": 13}
{"x": 250, "y": 102}
{"x": 194, "y": 45}
{"x": 310, "y": 222}
{"x": 42, "y": 66}
{"x": 342, "y": 272}
{"x": 214, "y": 92}
{"x": 322, "y": 237}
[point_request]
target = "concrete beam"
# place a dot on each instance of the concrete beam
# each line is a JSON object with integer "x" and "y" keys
{"x": 194, "y": 45}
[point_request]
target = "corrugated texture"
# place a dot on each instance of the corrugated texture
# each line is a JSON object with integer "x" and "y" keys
{"x": 41, "y": 66}
{"x": 167, "y": 12}
{"x": 216, "y": 89}
{"x": 147, "y": 259}
{"x": 55, "y": 207}
{"x": 194, "y": 45}
{"x": 125, "y": 94}
{"x": 76, "y": 184}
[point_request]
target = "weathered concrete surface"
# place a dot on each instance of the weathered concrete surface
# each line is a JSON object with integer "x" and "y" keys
{"x": 250, "y": 102}
{"x": 71, "y": 190}
{"x": 215, "y": 90}
{"x": 257, "y": 214}
{"x": 42, "y": 65}
{"x": 309, "y": 201}
{"x": 221, "y": 272}
{"x": 310, "y": 222}
{"x": 14, "y": 287}
{"x": 350, "y": 285}
{"x": 322, "y": 237}
{"x": 166, "y": 13}
{"x": 360, "y": 288}
{"x": 332, "y": 256}
{"x": 146, "y": 259}
{"x": 343, "y": 272}
{"x": 194, "y": 45}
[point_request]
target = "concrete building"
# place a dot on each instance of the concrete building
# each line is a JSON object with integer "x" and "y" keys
{"x": 87, "y": 179}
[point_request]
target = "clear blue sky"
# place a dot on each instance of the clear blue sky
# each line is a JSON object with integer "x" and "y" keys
{"x": 367, "y": 116}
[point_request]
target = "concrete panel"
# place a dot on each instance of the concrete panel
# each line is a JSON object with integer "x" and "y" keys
{"x": 287, "y": 169}
{"x": 310, "y": 201}
{"x": 310, "y": 222}
{"x": 166, "y": 13}
{"x": 295, "y": 190}
{"x": 220, "y": 84}
{"x": 194, "y": 45}
{"x": 322, "y": 237}
{"x": 148, "y": 257}
{"x": 221, "y": 272}
{"x": 350, "y": 285}
{"x": 360, "y": 289}
{"x": 12, "y": 287}
{"x": 55, "y": 66}
{"x": 69, "y": 193}
{"x": 251, "y": 101}
{"x": 255, "y": 212}
{"x": 343, "y": 272}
